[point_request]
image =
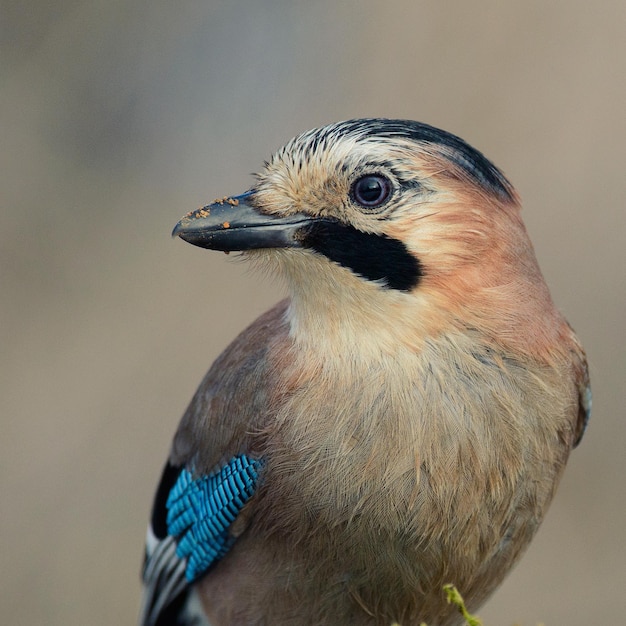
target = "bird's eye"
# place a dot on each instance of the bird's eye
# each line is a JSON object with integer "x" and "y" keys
{"x": 371, "y": 191}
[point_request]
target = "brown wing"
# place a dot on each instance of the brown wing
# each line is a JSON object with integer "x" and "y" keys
{"x": 229, "y": 407}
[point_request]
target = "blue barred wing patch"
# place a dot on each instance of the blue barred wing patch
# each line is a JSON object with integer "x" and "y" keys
{"x": 201, "y": 510}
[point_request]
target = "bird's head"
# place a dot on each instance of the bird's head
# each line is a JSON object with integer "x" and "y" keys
{"x": 386, "y": 219}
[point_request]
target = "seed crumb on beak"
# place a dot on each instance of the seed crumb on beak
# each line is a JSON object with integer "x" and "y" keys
{"x": 227, "y": 200}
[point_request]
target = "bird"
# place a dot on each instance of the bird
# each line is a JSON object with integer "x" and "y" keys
{"x": 398, "y": 423}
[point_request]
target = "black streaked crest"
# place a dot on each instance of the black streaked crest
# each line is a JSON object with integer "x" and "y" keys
{"x": 466, "y": 157}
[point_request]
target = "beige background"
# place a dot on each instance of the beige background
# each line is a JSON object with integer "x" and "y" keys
{"x": 118, "y": 117}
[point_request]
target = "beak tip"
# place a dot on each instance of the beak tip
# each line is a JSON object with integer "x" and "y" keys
{"x": 178, "y": 229}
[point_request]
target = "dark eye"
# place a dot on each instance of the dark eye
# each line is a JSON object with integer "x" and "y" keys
{"x": 371, "y": 191}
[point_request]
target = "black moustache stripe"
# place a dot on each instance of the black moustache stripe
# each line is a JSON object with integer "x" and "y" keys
{"x": 374, "y": 257}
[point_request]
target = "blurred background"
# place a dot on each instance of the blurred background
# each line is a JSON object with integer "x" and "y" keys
{"x": 120, "y": 116}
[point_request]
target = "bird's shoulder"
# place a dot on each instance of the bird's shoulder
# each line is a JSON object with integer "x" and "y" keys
{"x": 233, "y": 399}
{"x": 580, "y": 367}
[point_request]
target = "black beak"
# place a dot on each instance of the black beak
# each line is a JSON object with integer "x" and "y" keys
{"x": 234, "y": 224}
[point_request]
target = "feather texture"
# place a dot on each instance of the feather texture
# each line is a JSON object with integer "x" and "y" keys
{"x": 414, "y": 418}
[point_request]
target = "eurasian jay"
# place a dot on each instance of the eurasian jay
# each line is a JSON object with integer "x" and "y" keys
{"x": 400, "y": 422}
